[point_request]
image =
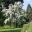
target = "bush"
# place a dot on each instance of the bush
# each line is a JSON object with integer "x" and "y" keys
{"x": 1, "y": 22}
{"x": 21, "y": 21}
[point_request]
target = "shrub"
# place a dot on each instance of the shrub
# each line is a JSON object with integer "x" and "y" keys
{"x": 21, "y": 21}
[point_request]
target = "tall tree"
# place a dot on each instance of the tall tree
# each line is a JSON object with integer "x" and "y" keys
{"x": 29, "y": 12}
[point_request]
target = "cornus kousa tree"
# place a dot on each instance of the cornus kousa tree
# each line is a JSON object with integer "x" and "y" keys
{"x": 14, "y": 11}
{"x": 13, "y": 14}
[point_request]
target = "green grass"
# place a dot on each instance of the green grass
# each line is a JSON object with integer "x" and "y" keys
{"x": 7, "y": 27}
{"x": 11, "y": 30}
{"x": 27, "y": 28}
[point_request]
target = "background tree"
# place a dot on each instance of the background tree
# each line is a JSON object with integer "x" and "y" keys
{"x": 29, "y": 12}
{"x": 2, "y": 17}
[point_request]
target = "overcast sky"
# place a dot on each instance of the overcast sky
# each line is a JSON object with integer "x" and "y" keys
{"x": 26, "y": 2}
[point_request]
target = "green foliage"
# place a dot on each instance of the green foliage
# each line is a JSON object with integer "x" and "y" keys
{"x": 0, "y": 1}
{"x": 21, "y": 21}
{"x": 2, "y": 17}
{"x": 29, "y": 11}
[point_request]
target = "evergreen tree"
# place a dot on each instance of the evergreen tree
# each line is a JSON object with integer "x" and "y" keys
{"x": 29, "y": 12}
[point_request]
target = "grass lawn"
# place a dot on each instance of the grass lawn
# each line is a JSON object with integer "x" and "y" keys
{"x": 27, "y": 28}
{"x": 9, "y": 29}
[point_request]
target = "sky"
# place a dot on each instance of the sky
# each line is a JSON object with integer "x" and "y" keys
{"x": 26, "y": 2}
